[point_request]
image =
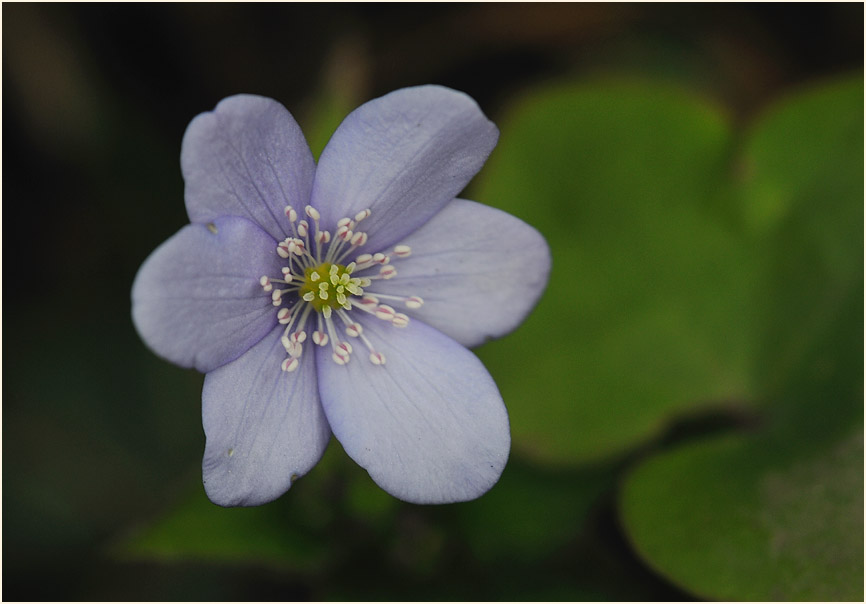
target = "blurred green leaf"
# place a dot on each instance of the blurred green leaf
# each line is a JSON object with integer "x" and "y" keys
{"x": 200, "y": 530}
{"x": 802, "y": 186}
{"x": 648, "y": 309}
{"x": 726, "y": 521}
{"x": 532, "y": 511}
{"x": 778, "y": 515}
{"x": 289, "y": 533}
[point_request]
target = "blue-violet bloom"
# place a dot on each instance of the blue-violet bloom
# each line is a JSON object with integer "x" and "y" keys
{"x": 341, "y": 297}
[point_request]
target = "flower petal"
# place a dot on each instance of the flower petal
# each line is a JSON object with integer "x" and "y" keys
{"x": 404, "y": 156}
{"x": 196, "y": 300}
{"x": 246, "y": 158}
{"x": 264, "y": 427}
{"x": 429, "y": 425}
{"x": 479, "y": 271}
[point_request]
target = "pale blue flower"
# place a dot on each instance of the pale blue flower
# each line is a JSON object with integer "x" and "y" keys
{"x": 340, "y": 297}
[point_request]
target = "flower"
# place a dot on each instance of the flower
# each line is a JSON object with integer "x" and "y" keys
{"x": 341, "y": 297}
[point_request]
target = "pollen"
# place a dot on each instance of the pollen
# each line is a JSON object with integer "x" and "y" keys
{"x": 328, "y": 285}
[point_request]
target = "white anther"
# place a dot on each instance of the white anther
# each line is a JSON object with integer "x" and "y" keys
{"x": 344, "y": 348}
{"x": 289, "y": 364}
{"x": 414, "y": 302}
{"x": 344, "y": 233}
{"x": 295, "y": 350}
{"x": 385, "y": 312}
{"x": 364, "y": 258}
{"x": 320, "y": 338}
{"x": 400, "y": 320}
{"x": 312, "y": 212}
{"x": 287, "y": 274}
{"x": 359, "y": 239}
{"x": 284, "y": 315}
{"x": 286, "y": 342}
{"x": 377, "y": 358}
{"x": 402, "y": 251}
{"x": 354, "y": 330}
{"x": 299, "y": 336}
{"x": 344, "y": 222}
{"x": 298, "y": 248}
{"x": 302, "y": 228}
{"x": 266, "y": 284}
{"x": 380, "y": 258}
{"x": 324, "y": 236}
{"x": 369, "y": 301}
{"x": 340, "y": 360}
{"x": 387, "y": 272}
{"x": 276, "y": 295}
{"x": 362, "y": 215}
{"x": 291, "y": 214}
{"x": 283, "y": 249}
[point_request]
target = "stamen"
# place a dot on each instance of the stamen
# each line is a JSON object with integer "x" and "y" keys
{"x": 385, "y": 312}
{"x": 326, "y": 286}
{"x": 387, "y": 272}
{"x": 344, "y": 233}
{"x": 410, "y": 301}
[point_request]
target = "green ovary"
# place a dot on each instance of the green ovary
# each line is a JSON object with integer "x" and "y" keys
{"x": 330, "y": 285}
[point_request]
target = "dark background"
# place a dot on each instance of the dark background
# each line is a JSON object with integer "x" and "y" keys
{"x": 98, "y": 435}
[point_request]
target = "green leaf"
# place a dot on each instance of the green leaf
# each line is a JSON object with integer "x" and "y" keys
{"x": 199, "y": 530}
{"x": 648, "y": 309}
{"x": 532, "y": 511}
{"x": 289, "y": 533}
{"x": 727, "y": 521}
{"x": 803, "y": 199}
{"x": 778, "y": 514}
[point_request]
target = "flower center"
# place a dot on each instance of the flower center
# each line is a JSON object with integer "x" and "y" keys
{"x": 330, "y": 285}
{"x": 320, "y": 289}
